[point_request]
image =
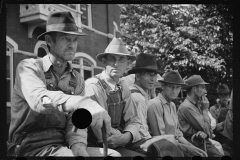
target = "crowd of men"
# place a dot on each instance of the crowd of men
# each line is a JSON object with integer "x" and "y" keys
{"x": 138, "y": 121}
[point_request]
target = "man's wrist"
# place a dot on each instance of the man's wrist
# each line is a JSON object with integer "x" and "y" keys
{"x": 78, "y": 146}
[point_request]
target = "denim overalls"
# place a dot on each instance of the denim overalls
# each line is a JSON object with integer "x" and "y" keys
{"x": 47, "y": 130}
{"x": 115, "y": 107}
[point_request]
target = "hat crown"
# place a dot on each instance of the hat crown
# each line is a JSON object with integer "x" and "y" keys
{"x": 61, "y": 22}
{"x": 223, "y": 88}
{"x": 195, "y": 80}
{"x": 146, "y": 60}
{"x": 173, "y": 76}
{"x": 116, "y": 46}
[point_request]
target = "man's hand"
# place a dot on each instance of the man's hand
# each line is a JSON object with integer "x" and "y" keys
{"x": 204, "y": 103}
{"x": 99, "y": 116}
{"x": 201, "y": 134}
{"x": 79, "y": 149}
{"x": 116, "y": 140}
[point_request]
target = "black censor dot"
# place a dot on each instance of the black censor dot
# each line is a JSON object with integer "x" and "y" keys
{"x": 81, "y": 118}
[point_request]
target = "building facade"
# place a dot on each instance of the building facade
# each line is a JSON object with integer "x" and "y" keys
{"x": 26, "y": 21}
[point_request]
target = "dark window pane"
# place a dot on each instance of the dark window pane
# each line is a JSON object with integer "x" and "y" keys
{"x": 84, "y": 15}
{"x": 41, "y": 52}
{"x": 87, "y": 74}
{"x": 8, "y": 66}
{"x": 8, "y": 91}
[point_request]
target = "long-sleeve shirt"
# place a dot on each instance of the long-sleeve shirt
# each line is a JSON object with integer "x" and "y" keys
{"x": 228, "y": 125}
{"x": 97, "y": 93}
{"x": 140, "y": 101}
{"x": 191, "y": 119}
{"x": 30, "y": 88}
{"x": 162, "y": 117}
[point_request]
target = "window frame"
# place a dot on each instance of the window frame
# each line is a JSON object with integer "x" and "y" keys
{"x": 89, "y": 16}
{"x": 11, "y": 47}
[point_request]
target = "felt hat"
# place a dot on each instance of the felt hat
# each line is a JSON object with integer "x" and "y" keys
{"x": 157, "y": 83}
{"x": 116, "y": 47}
{"x": 61, "y": 22}
{"x": 173, "y": 77}
{"x": 194, "y": 80}
{"x": 145, "y": 62}
{"x": 222, "y": 88}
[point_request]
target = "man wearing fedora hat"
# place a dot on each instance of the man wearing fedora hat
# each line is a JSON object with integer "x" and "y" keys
{"x": 146, "y": 72}
{"x": 46, "y": 92}
{"x": 113, "y": 95}
{"x": 193, "y": 116}
{"x": 219, "y": 110}
{"x": 162, "y": 113}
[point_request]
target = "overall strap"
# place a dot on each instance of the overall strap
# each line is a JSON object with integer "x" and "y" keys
{"x": 48, "y": 75}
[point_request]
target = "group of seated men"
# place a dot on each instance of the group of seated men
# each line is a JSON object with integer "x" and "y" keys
{"x": 138, "y": 122}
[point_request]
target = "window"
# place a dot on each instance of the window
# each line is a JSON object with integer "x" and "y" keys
{"x": 9, "y": 53}
{"x": 83, "y": 66}
{"x": 86, "y": 16}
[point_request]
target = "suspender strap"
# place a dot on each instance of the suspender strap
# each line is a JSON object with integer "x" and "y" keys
{"x": 135, "y": 91}
{"x": 73, "y": 81}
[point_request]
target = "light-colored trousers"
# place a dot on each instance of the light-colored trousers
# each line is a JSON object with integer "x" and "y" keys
{"x": 62, "y": 151}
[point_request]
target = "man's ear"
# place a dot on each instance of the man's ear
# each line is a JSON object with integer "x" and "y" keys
{"x": 48, "y": 39}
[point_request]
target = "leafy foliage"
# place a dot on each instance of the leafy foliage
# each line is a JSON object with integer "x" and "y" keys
{"x": 196, "y": 39}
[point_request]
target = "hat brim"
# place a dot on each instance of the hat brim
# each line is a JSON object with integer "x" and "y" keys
{"x": 101, "y": 55}
{"x": 189, "y": 86}
{"x": 183, "y": 84}
{"x": 136, "y": 70}
{"x": 42, "y": 36}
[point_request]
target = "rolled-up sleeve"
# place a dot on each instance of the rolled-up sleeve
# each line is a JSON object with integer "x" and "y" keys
{"x": 131, "y": 119}
{"x": 74, "y": 137}
{"x": 155, "y": 119}
{"x": 32, "y": 88}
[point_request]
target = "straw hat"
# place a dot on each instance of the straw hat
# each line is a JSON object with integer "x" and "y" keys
{"x": 116, "y": 47}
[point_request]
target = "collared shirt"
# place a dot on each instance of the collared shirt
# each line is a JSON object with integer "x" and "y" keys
{"x": 140, "y": 101}
{"x": 191, "y": 119}
{"x": 30, "y": 88}
{"x": 162, "y": 117}
{"x": 97, "y": 93}
{"x": 215, "y": 111}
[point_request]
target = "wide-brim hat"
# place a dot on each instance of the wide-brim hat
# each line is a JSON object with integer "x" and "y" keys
{"x": 222, "y": 88}
{"x": 194, "y": 80}
{"x": 61, "y": 22}
{"x": 145, "y": 62}
{"x": 173, "y": 77}
{"x": 116, "y": 47}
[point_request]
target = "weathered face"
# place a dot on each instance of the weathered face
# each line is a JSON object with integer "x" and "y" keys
{"x": 65, "y": 46}
{"x": 116, "y": 65}
{"x": 171, "y": 91}
{"x": 146, "y": 80}
{"x": 200, "y": 90}
{"x": 223, "y": 98}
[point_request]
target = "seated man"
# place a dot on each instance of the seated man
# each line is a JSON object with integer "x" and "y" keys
{"x": 113, "y": 95}
{"x": 162, "y": 115}
{"x": 193, "y": 116}
{"x": 145, "y": 80}
{"x": 219, "y": 110}
{"x": 45, "y": 94}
